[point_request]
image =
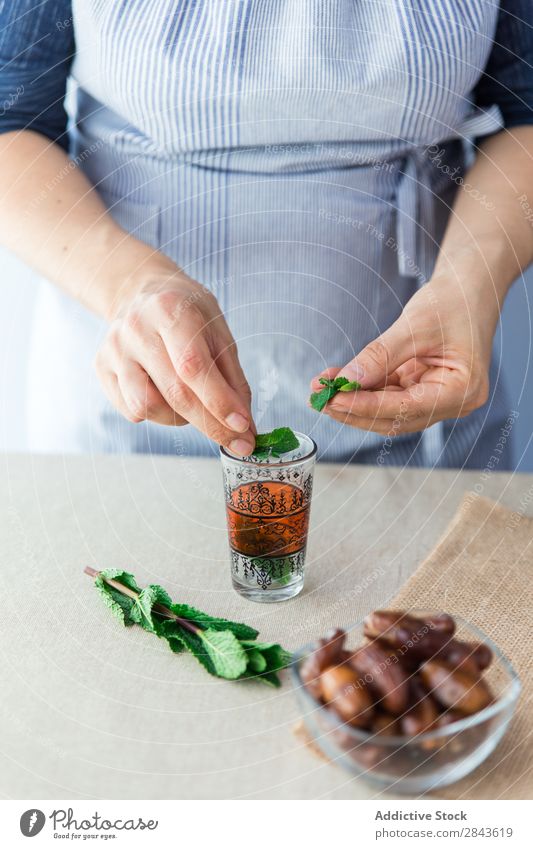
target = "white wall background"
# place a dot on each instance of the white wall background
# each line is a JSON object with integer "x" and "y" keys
{"x": 515, "y": 339}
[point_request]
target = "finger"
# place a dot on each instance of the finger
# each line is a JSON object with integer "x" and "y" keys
{"x": 385, "y": 427}
{"x": 328, "y": 373}
{"x": 382, "y": 356}
{"x": 184, "y": 402}
{"x": 129, "y": 387}
{"x": 409, "y": 374}
{"x": 227, "y": 361}
{"x": 109, "y": 382}
{"x": 142, "y": 397}
{"x": 194, "y": 365}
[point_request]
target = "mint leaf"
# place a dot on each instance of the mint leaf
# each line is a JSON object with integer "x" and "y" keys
{"x": 318, "y": 400}
{"x": 120, "y": 605}
{"x": 284, "y": 439}
{"x": 270, "y": 678}
{"x": 175, "y": 643}
{"x": 264, "y": 440}
{"x": 173, "y": 633}
{"x": 274, "y": 657}
{"x": 350, "y": 386}
{"x": 283, "y": 571}
{"x": 256, "y": 662}
{"x": 338, "y": 382}
{"x": 196, "y": 647}
{"x": 277, "y": 442}
{"x": 226, "y": 649}
{"x": 225, "y": 653}
{"x": 142, "y": 612}
{"x": 214, "y": 623}
{"x": 342, "y": 384}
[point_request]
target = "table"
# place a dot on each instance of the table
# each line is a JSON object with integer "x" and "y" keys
{"x": 90, "y": 709}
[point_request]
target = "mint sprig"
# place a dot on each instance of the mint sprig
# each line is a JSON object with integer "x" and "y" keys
{"x": 318, "y": 400}
{"x": 226, "y": 649}
{"x": 275, "y": 443}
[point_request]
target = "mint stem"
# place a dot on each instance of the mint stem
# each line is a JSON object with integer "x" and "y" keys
{"x": 158, "y": 608}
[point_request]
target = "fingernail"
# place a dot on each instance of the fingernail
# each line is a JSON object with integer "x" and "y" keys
{"x": 353, "y": 371}
{"x": 241, "y": 447}
{"x": 238, "y": 423}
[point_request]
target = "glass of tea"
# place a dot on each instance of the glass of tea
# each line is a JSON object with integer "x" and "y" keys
{"x": 268, "y": 502}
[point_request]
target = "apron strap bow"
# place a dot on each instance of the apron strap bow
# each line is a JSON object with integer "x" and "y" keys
{"x": 415, "y": 198}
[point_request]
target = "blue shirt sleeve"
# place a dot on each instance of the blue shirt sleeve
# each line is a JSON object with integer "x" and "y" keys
{"x": 36, "y": 51}
{"x": 508, "y": 77}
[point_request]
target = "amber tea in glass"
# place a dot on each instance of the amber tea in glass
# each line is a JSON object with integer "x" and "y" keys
{"x": 268, "y": 502}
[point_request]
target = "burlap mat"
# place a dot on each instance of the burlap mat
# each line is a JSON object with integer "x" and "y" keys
{"x": 482, "y": 570}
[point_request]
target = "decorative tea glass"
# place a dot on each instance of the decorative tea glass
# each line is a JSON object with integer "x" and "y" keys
{"x": 268, "y": 502}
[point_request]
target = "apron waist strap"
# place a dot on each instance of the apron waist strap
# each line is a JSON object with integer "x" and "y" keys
{"x": 415, "y": 208}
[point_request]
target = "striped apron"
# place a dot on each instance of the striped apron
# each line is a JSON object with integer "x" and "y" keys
{"x": 278, "y": 151}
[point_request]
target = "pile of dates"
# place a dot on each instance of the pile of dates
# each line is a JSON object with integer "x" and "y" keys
{"x": 411, "y": 676}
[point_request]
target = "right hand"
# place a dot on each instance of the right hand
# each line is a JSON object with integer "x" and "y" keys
{"x": 169, "y": 357}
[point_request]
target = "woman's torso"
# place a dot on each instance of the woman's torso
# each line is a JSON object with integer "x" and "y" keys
{"x": 275, "y": 150}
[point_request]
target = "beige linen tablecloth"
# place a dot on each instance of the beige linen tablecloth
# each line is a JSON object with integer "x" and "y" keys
{"x": 92, "y": 710}
{"x": 482, "y": 570}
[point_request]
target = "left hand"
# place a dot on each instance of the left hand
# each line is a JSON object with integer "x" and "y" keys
{"x": 431, "y": 364}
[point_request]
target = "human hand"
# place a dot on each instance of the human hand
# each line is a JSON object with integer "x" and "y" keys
{"x": 169, "y": 357}
{"x": 431, "y": 364}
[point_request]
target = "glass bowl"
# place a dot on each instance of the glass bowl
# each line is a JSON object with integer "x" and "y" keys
{"x": 427, "y": 761}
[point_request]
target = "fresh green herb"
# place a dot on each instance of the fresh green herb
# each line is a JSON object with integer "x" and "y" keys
{"x": 275, "y": 443}
{"x": 274, "y": 658}
{"x": 284, "y": 569}
{"x": 226, "y": 649}
{"x": 318, "y": 400}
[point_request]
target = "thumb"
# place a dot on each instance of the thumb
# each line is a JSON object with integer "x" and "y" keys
{"x": 382, "y": 356}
